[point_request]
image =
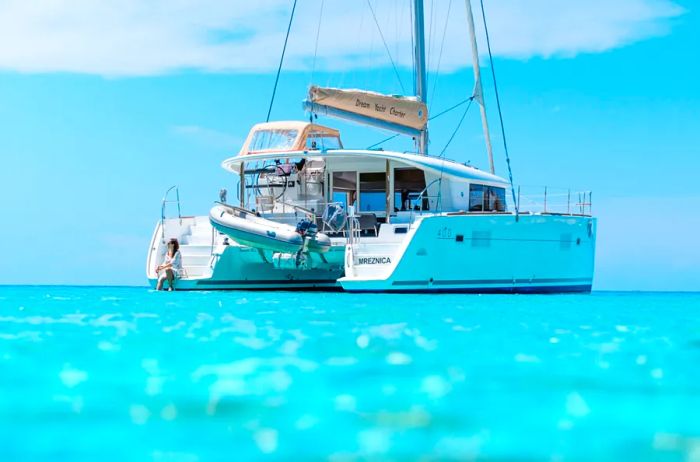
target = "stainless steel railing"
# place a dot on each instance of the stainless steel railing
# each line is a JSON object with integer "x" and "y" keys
{"x": 163, "y": 205}
{"x": 556, "y": 201}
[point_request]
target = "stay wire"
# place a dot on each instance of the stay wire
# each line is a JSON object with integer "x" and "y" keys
{"x": 383, "y": 141}
{"x": 279, "y": 69}
{"x": 454, "y": 133}
{"x": 451, "y": 108}
{"x": 318, "y": 34}
{"x": 442, "y": 46}
{"x": 498, "y": 104}
{"x": 386, "y": 47}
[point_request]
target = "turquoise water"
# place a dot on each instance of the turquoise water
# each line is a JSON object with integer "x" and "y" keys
{"x": 129, "y": 374}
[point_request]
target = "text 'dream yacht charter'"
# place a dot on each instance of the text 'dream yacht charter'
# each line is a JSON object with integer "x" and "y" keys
{"x": 310, "y": 213}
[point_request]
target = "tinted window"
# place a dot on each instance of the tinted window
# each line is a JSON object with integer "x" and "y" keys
{"x": 486, "y": 198}
{"x": 372, "y": 191}
{"x": 408, "y": 183}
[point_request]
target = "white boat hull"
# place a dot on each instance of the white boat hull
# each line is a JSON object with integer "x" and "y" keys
{"x": 496, "y": 254}
{"x": 484, "y": 254}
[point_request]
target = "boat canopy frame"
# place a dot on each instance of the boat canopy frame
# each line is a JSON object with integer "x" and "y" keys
{"x": 303, "y": 130}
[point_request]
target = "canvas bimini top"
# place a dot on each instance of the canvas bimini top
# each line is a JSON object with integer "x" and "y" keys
{"x": 289, "y": 136}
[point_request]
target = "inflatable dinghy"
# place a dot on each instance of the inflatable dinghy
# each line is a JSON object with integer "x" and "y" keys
{"x": 246, "y": 228}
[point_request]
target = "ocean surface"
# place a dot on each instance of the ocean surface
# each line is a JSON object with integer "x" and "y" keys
{"x": 102, "y": 374}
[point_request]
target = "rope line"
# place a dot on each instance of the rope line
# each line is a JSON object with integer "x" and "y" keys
{"x": 454, "y": 133}
{"x": 383, "y": 141}
{"x": 430, "y": 42}
{"x": 451, "y": 108}
{"x": 318, "y": 33}
{"x": 279, "y": 69}
{"x": 429, "y": 119}
{"x": 413, "y": 48}
{"x": 386, "y": 47}
{"x": 498, "y": 104}
{"x": 442, "y": 46}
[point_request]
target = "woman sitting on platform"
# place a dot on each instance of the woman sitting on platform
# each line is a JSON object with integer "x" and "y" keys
{"x": 171, "y": 267}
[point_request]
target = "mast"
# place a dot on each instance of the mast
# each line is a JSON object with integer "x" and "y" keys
{"x": 421, "y": 89}
{"x": 478, "y": 89}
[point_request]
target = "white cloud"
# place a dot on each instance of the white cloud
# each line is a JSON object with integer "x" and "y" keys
{"x": 147, "y": 37}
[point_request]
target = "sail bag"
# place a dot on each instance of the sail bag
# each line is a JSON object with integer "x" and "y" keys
{"x": 401, "y": 111}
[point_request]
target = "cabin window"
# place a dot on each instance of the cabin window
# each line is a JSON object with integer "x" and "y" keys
{"x": 322, "y": 142}
{"x": 344, "y": 188}
{"x": 408, "y": 184}
{"x": 484, "y": 198}
{"x": 372, "y": 192}
{"x": 273, "y": 140}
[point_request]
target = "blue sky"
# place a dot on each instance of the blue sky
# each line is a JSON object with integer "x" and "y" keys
{"x": 102, "y": 108}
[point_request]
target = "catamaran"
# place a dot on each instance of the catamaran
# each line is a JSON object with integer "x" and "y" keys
{"x": 313, "y": 214}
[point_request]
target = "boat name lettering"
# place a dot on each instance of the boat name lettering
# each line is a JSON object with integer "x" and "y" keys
{"x": 379, "y": 107}
{"x": 395, "y": 112}
{"x": 373, "y": 261}
{"x": 360, "y": 103}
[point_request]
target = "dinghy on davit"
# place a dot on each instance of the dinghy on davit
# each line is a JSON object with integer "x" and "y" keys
{"x": 246, "y": 228}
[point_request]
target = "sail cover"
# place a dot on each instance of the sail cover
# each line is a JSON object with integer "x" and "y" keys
{"x": 399, "y": 111}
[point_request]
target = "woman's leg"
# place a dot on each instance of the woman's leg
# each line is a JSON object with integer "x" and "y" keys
{"x": 161, "y": 280}
{"x": 171, "y": 277}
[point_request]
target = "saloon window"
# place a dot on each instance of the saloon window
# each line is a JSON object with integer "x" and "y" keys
{"x": 484, "y": 198}
{"x": 372, "y": 192}
{"x": 408, "y": 184}
{"x": 345, "y": 188}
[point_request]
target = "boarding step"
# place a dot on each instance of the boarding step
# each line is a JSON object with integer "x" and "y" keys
{"x": 195, "y": 249}
{"x": 196, "y": 271}
{"x": 197, "y": 240}
{"x": 196, "y": 260}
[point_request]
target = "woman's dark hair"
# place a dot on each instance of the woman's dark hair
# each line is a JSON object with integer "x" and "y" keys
{"x": 176, "y": 245}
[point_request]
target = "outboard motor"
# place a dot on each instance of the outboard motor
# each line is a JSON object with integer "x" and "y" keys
{"x": 307, "y": 228}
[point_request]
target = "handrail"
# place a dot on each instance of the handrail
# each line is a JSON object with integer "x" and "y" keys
{"x": 308, "y": 212}
{"x": 234, "y": 207}
{"x": 422, "y": 195}
{"x": 437, "y": 180}
{"x": 162, "y": 208}
{"x": 561, "y": 202}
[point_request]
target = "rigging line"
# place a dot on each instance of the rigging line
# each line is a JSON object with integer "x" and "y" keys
{"x": 388, "y": 52}
{"x": 498, "y": 104}
{"x": 413, "y": 47}
{"x": 279, "y": 69}
{"x": 318, "y": 33}
{"x": 471, "y": 100}
{"x": 383, "y": 141}
{"x": 451, "y": 108}
{"x": 442, "y": 46}
{"x": 430, "y": 41}
{"x": 430, "y": 118}
{"x": 442, "y": 153}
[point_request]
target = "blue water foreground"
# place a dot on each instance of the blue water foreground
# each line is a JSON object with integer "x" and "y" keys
{"x": 95, "y": 373}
